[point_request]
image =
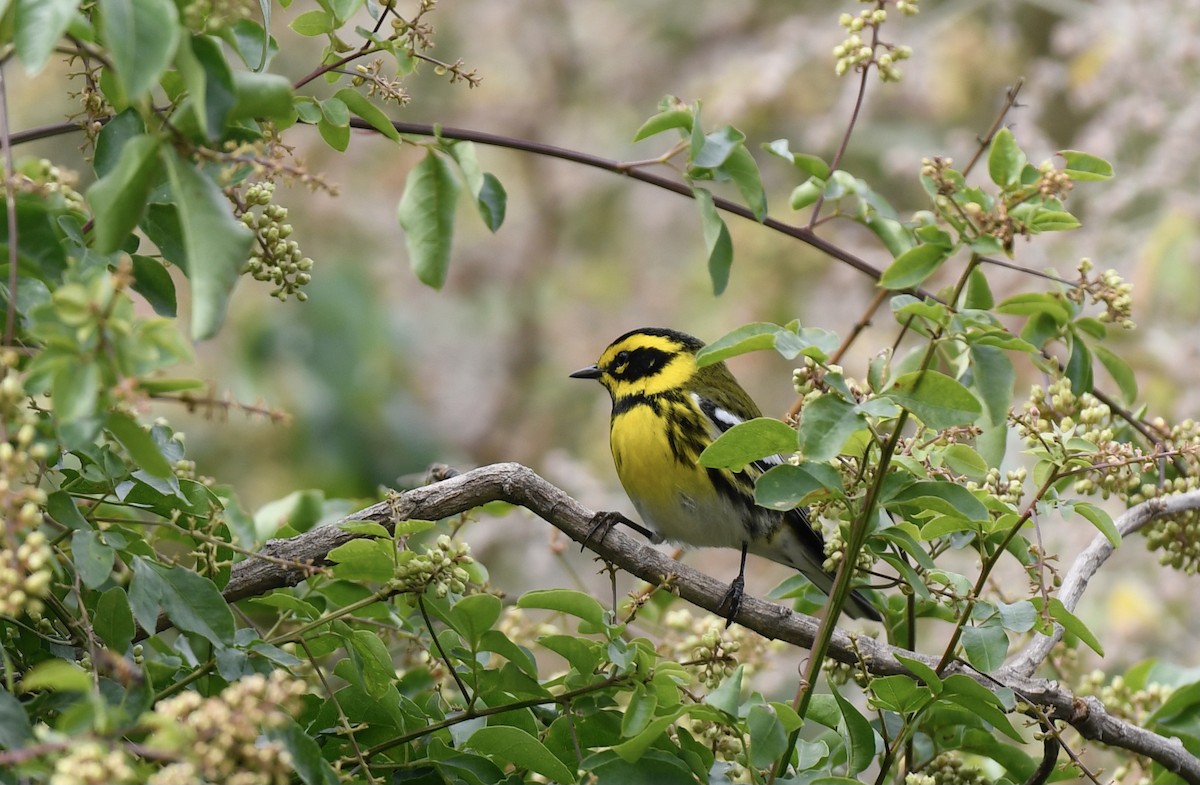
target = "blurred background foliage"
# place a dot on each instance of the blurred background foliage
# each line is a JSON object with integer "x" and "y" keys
{"x": 382, "y": 376}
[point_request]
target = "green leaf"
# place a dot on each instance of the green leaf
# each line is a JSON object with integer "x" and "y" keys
{"x": 716, "y": 240}
{"x": 937, "y": 400}
{"x": 768, "y": 737}
{"x": 973, "y": 696}
{"x": 62, "y": 509}
{"x": 93, "y": 559}
{"x": 1101, "y": 520}
{"x": 743, "y": 170}
{"x": 728, "y": 695}
{"x": 1079, "y": 367}
{"x": 76, "y": 392}
{"x": 1035, "y": 303}
{"x": 665, "y": 121}
{"x": 365, "y": 528}
{"x": 809, "y": 164}
{"x": 718, "y": 146}
{"x": 15, "y": 729}
{"x": 139, "y": 444}
{"x": 899, "y": 693}
{"x": 250, "y": 40}
{"x": 860, "y": 737}
{"x": 640, "y": 711}
{"x": 209, "y": 82}
{"x": 747, "y": 442}
{"x": 806, "y": 193}
{"x": 979, "y": 292}
{"x": 357, "y": 103}
{"x": 950, "y": 498}
{"x": 986, "y": 647}
{"x": 153, "y": 282}
{"x": 913, "y": 266}
{"x": 573, "y": 603}
{"x": 965, "y": 461}
{"x": 1018, "y": 617}
{"x": 37, "y": 27}
{"x": 474, "y": 615}
{"x": 1005, "y": 159}
{"x": 825, "y": 425}
{"x": 56, "y": 676}
{"x": 426, "y": 214}
{"x": 113, "y": 621}
{"x": 313, "y": 23}
{"x": 894, "y": 235}
{"x": 1071, "y": 623}
{"x": 364, "y": 560}
{"x": 515, "y": 746}
{"x": 1083, "y": 166}
{"x": 262, "y": 95}
{"x": 215, "y": 244}
{"x": 141, "y": 36}
{"x": 993, "y": 378}
{"x": 747, "y": 338}
{"x": 335, "y": 135}
{"x": 490, "y": 198}
{"x": 306, "y": 758}
{"x": 1052, "y": 221}
{"x": 922, "y": 672}
{"x": 372, "y": 662}
{"x": 785, "y": 487}
{"x": 191, "y": 601}
{"x": 1119, "y": 370}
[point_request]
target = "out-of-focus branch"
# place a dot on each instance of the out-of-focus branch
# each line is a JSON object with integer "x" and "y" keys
{"x": 520, "y": 485}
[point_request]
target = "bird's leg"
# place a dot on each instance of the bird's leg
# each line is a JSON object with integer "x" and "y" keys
{"x": 603, "y": 522}
{"x": 732, "y": 603}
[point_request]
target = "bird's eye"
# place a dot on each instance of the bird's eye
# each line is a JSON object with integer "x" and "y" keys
{"x": 622, "y": 357}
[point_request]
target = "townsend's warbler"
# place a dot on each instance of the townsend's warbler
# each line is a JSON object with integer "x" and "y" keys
{"x": 666, "y": 410}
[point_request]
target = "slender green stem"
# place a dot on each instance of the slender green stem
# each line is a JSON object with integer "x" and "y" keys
{"x": 299, "y": 632}
{"x": 989, "y": 564}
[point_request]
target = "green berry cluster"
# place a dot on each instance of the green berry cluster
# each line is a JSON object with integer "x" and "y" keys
{"x": 1008, "y": 488}
{"x": 26, "y": 559}
{"x": 277, "y": 258}
{"x": 442, "y": 568}
{"x": 1107, "y": 288}
{"x": 41, "y": 177}
{"x": 1122, "y": 700}
{"x": 1082, "y": 428}
{"x": 947, "y": 768}
{"x": 708, "y": 649}
{"x": 208, "y": 16}
{"x": 835, "y": 552}
{"x": 724, "y": 741}
{"x": 856, "y": 53}
{"x": 93, "y": 763}
{"x": 225, "y": 738}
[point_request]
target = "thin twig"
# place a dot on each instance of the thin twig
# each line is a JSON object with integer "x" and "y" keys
{"x": 841, "y": 151}
{"x": 1010, "y": 100}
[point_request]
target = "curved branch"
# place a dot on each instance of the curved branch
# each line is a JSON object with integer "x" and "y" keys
{"x": 596, "y": 162}
{"x": 520, "y": 485}
{"x": 1088, "y": 562}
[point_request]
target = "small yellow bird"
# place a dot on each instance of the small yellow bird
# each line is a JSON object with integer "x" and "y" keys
{"x": 666, "y": 410}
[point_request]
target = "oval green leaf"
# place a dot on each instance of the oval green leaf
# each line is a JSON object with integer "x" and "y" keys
{"x": 935, "y": 399}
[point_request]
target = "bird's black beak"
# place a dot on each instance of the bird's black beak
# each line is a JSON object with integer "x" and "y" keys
{"x": 591, "y": 372}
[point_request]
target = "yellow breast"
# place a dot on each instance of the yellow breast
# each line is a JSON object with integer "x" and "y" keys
{"x": 658, "y": 469}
